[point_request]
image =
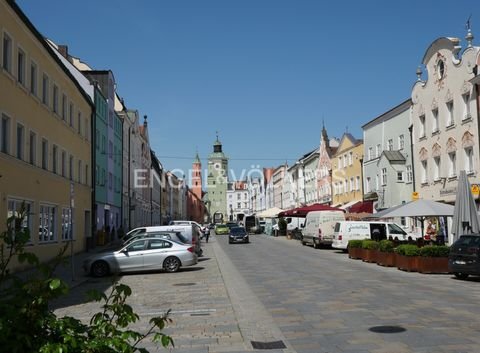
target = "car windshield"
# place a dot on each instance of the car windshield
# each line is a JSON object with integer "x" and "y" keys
{"x": 468, "y": 240}
{"x": 238, "y": 231}
{"x": 395, "y": 229}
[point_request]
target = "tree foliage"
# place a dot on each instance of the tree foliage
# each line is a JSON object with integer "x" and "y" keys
{"x": 28, "y": 324}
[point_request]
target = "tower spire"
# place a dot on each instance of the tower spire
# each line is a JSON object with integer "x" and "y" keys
{"x": 469, "y": 37}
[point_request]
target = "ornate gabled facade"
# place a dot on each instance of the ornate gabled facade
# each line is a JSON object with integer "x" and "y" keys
{"x": 346, "y": 172}
{"x": 327, "y": 149}
{"x": 445, "y": 119}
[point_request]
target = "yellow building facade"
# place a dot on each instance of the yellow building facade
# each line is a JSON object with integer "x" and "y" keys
{"x": 347, "y": 172}
{"x": 45, "y": 139}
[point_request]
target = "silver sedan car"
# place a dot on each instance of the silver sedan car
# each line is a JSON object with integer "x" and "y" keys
{"x": 140, "y": 255}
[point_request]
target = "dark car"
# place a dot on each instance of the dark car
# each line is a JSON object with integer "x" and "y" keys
{"x": 464, "y": 258}
{"x": 230, "y": 225}
{"x": 238, "y": 235}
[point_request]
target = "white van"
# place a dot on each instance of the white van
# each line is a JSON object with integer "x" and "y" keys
{"x": 190, "y": 231}
{"x": 319, "y": 227}
{"x": 359, "y": 230}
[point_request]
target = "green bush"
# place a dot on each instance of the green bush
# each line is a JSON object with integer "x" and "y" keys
{"x": 408, "y": 250}
{"x": 355, "y": 244}
{"x": 435, "y": 251}
{"x": 386, "y": 246}
{"x": 369, "y": 244}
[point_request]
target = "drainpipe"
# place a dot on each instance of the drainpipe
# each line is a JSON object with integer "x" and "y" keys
{"x": 93, "y": 169}
{"x": 410, "y": 130}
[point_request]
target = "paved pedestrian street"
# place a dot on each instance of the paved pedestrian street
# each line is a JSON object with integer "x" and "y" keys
{"x": 301, "y": 299}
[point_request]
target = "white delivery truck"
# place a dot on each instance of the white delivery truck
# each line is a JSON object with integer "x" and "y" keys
{"x": 319, "y": 227}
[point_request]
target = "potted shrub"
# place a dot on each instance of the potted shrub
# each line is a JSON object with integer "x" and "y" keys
{"x": 354, "y": 249}
{"x": 433, "y": 259}
{"x": 370, "y": 250}
{"x": 407, "y": 257}
{"x": 386, "y": 254}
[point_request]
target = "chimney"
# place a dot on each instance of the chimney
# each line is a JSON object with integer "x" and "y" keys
{"x": 63, "y": 49}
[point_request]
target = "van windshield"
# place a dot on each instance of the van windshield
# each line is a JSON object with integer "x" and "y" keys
{"x": 395, "y": 229}
{"x": 337, "y": 227}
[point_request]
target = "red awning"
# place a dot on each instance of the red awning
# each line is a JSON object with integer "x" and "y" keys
{"x": 302, "y": 211}
{"x": 362, "y": 207}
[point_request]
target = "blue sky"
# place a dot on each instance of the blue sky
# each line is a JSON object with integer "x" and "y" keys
{"x": 264, "y": 73}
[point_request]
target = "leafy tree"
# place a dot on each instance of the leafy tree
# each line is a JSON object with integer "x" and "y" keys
{"x": 27, "y": 324}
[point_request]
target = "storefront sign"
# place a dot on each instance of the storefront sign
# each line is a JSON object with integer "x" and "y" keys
{"x": 448, "y": 191}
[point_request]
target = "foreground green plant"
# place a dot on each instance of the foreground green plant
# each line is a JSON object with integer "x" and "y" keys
{"x": 27, "y": 324}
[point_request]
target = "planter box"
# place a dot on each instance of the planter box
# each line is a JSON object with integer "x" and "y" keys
{"x": 433, "y": 264}
{"x": 386, "y": 259}
{"x": 370, "y": 255}
{"x": 354, "y": 253}
{"x": 407, "y": 263}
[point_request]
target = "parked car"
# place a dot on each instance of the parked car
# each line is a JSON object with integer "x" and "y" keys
{"x": 464, "y": 258}
{"x": 319, "y": 227}
{"x": 190, "y": 231}
{"x": 175, "y": 236}
{"x": 221, "y": 229}
{"x": 238, "y": 235}
{"x": 140, "y": 255}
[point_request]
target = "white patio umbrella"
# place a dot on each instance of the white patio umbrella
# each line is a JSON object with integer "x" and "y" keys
{"x": 270, "y": 213}
{"x": 465, "y": 216}
{"x": 420, "y": 209}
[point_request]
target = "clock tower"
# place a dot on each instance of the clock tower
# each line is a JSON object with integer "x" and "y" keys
{"x": 217, "y": 181}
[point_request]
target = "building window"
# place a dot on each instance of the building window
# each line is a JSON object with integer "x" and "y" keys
{"x": 5, "y": 134}
{"x": 345, "y": 186}
{"x": 352, "y": 185}
{"x": 367, "y": 185}
{"x": 55, "y": 99}
{"x": 238, "y": 196}
{"x": 86, "y": 175}
{"x": 87, "y": 130}
{"x": 7, "y": 53}
{"x": 339, "y": 162}
{"x": 79, "y": 171}
{"x": 452, "y": 168}
{"x": 422, "y": 125}
{"x": 70, "y": 167}
{"x": 33, "y": 148}
{"x": 435, "y": 120}
{"x": 390, "y": 145}
{"x": 401, "y": 142}
{"x": 47, "y": 221}
{"x": 45, "y": 89}
{"x": 66, "y": 223}
{"x": 70, "y": 114}
{"x": 370, "y": 153}
{"x": 21, "y": 67}
{"x": 239, "y": 204}
{"x": 350, "y": 158}
{"x": 14, "y": 208}
{"x": 44, "y": 154}
{"x": 357, "y": 183}
{"x": 400, "y": 176}
{"x": 378, "y": 150}
{"x": 64, "y": 107}
{"x": 384, "y": 176}
{"x": 54, "y": 158}
{"x": 79, "y": 124}
{"x": 20, "y": 141}
{"x": 450, "y": 116}
{"x": 424, "y": 175}
{"x": 64, "y": 163}
{"x": 33, "y": 78}
{"x": 469, "y": 160}
{"x": 466, "y": 106}
{"x": 409, "y": 174}
{"x": 377, "y": 182}
{"x": 436, "y": 168}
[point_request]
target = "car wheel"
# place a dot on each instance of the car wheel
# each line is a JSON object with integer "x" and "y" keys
{"x": 315, "y": 245}
{"x": 460, "y": 275}
{"x": 171, "y": 264}
{"x": 303, "y": 243}
{"x": 100, "y": 269}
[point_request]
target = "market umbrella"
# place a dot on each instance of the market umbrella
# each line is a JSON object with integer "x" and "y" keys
{"x": 465, "y": 217}
{"x": 420, "y": 209}
{"x": 270, "y": 213}
{"x": 303, "y": 211}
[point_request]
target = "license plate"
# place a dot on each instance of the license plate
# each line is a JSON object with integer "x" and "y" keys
{"x": 459, "y": 262}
